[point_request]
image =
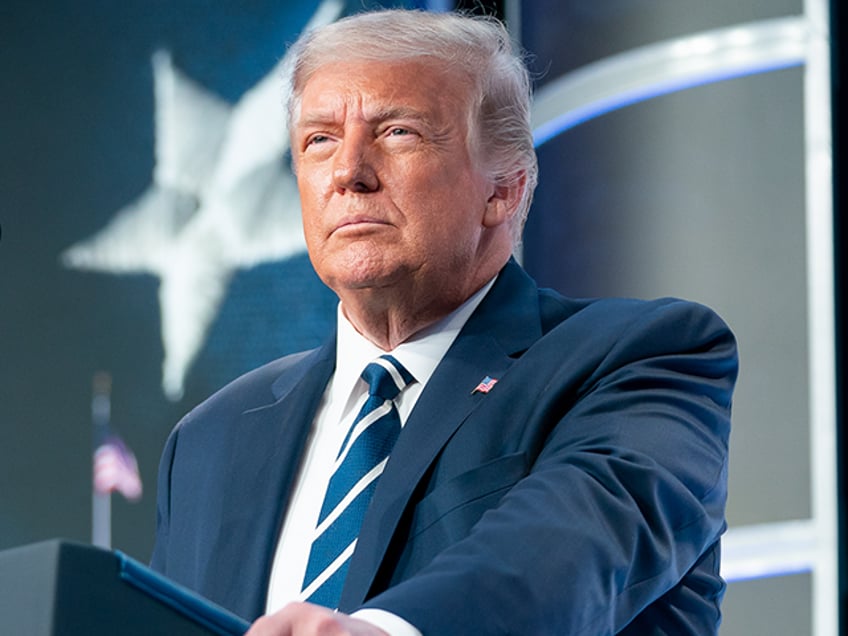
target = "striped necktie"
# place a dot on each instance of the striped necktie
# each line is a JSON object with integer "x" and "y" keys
{"x": 358, "y": 466}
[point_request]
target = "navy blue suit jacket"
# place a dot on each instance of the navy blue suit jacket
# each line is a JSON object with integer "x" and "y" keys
{"x": 584, "y": 494}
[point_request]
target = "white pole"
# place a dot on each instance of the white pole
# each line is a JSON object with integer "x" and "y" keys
{"x": 101, "y": 503}
{"x": 101, "y": 520}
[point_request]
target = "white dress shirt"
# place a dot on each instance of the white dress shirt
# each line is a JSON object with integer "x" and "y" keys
{"x": 345, "y": 394}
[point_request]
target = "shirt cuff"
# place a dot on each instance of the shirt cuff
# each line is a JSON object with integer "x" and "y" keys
{"x": 390, "y": 623}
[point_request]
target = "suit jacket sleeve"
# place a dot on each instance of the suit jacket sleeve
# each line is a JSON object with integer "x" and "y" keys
{"x": 624, "y": 497}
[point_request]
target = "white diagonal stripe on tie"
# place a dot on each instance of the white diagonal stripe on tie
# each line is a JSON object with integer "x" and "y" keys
{"x": 393, "y": 371}
{"x": 361, "y": 485}
{"x": 360, "y": 427}
{"x": 329, "y": 570}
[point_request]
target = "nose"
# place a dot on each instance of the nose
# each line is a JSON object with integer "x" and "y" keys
{"x": 353, "y": 167}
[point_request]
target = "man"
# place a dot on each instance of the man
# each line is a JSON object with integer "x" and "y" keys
{"x": 561, "y": 466}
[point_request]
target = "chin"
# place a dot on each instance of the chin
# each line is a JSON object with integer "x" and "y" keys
{"x": 365, "y": 275}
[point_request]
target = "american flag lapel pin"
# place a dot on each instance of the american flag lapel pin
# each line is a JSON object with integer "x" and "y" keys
{"x": 485, "y": 385}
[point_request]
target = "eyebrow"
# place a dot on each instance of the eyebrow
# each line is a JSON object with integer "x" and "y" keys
{"x": 326, "y": 117}
{"x": 398, "y": 112}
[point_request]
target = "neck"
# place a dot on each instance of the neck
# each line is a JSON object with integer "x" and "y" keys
{"x": 387, "y": 318}
{"x": 388, "y": 324}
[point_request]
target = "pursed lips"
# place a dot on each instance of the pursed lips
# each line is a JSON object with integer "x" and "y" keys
{"x": 358, "y": 222}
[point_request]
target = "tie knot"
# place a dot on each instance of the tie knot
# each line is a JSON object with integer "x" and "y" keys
{"x": 386, "y": 377}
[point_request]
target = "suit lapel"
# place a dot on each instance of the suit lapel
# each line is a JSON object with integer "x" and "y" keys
{"x": 266, "y": 457}
{"x": 505, "y": 324}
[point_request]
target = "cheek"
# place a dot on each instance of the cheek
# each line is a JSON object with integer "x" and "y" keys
{"x": 311, "y": 182}
{"x": 311, "y": 197}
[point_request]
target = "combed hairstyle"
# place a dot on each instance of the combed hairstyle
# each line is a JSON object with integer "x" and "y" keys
{"x": 479, "y": 47}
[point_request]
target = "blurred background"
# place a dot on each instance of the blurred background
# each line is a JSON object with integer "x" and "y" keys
{"x": 149, "y": 232}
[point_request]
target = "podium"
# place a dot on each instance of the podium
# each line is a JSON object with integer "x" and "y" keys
{"x": 62, "y": 588}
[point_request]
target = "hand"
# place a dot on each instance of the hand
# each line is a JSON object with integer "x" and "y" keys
{"x": 305, "y": 619}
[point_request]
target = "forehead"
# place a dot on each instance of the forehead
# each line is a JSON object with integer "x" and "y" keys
{"x": 371, "y": 89}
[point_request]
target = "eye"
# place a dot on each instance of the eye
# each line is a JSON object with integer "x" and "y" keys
{"x": 316, "y": 139}
{"x": 397, "y": 131}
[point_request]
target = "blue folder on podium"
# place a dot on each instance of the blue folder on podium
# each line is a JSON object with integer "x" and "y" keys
{"x": 63, "y": 588}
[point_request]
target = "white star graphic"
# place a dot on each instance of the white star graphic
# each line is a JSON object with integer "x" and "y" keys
{"x": 221, "y": 200}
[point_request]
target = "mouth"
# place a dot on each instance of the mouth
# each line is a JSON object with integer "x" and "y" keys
{"x": 359, "y": 224}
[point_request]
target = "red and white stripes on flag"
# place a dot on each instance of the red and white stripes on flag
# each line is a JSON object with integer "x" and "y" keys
{"x": 115, "y": 469}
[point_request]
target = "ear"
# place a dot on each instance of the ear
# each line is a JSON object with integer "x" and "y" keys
{"x": 504, "y": 201}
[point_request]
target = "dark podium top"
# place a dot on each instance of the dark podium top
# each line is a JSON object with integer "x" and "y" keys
{"x": 61, "y": 588}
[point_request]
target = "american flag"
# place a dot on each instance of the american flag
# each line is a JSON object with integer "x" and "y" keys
{"x": 115, "y": 469}
{"x": 485, "y": 385}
